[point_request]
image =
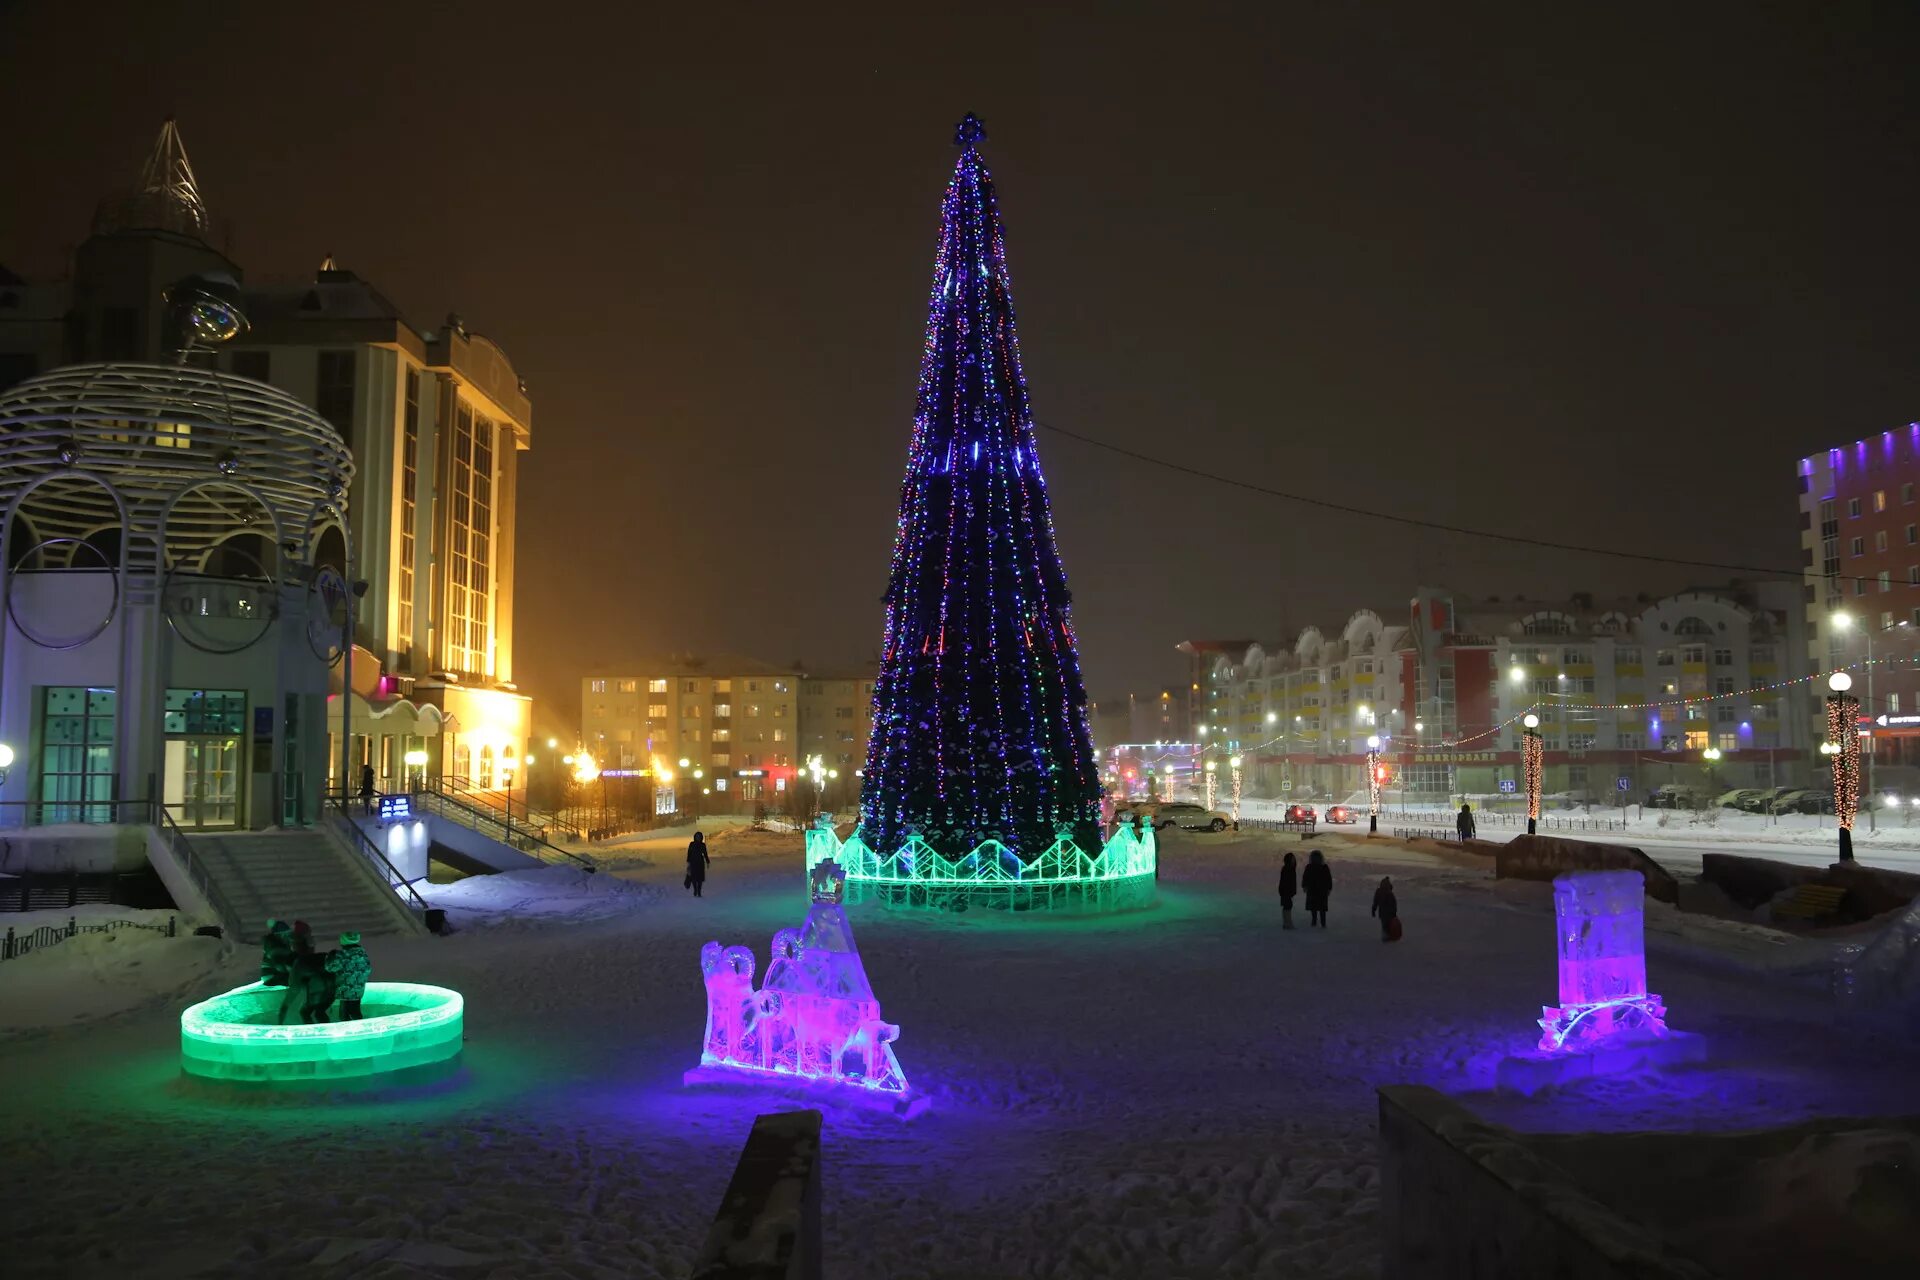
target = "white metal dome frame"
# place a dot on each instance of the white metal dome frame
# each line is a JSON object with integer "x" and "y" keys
{"x": 180, "y": 460}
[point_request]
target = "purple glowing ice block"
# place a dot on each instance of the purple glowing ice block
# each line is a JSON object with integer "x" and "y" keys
{"x": 1603, "y": 962}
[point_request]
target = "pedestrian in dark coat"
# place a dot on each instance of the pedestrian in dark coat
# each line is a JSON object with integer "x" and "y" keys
{"x": 1289, "y": 885}
{"x": 366, "y": 788}
{"x": 1386, "y": 908}
{"x": 276, "y": 954}
{"x": 1317, "y": 883}
{"x": 1464, "y": 823}
{"x": 697, "y": 860}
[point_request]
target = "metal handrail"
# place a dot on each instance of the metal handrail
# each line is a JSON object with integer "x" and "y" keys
{"x": 182, "y": 850}
{"x": 476, "y": 812}
{"x": 394, "y": 878}
{"x": 464, "y": 792}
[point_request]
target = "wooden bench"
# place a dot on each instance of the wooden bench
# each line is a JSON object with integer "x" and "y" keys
{"x": 1811, "y": 902}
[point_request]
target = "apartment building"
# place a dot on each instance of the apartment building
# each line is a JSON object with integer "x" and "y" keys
{"x": 736, "y": 720}
{"x": 1860, "y": 539}
{"x": 1630, "y": 694}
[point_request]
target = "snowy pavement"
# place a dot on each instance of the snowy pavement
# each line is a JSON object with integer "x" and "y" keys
{"x": 1184, "y": 1092}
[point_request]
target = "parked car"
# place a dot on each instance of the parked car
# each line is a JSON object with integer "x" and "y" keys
{"x": 1191, "y": 816}
{"x": 1675, "y": 796}
{"x": 1302, "y": 813}
{"x": 1811, "y": 800}
{"x": 1762, "y": 801}
{"x": 1342, "y": 814}
{"x": 1738, "y": 798}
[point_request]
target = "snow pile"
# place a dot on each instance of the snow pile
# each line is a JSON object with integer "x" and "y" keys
{"x": 544, "y": 894}
{"x": 99, "y": 974}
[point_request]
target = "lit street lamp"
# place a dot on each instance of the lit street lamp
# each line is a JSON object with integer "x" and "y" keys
{"x": 1843, "y": 744}
{"x": 1532, "y": 760}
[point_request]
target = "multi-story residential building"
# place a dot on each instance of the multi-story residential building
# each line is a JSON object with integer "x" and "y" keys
{"x": 435, "y": 421}
{"x": 836, "y": 716}
{"x": 1860, "y": 538}
{"x": 1630, "y": 694}
{"x": 736, "y": 720}
{"x": 1155, "y": 717}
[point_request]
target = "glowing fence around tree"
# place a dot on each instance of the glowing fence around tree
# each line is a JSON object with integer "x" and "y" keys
{"x": 1064, "y": 878}
{"x": 236, "y": 1037}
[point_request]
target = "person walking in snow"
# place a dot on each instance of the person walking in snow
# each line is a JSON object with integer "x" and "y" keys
{"x": 1463, "y": 825}
{"x": 1289, "y": 885}
{"x": 366, "y": 788}
{"x": 1387, "y": 908}
{"x": 350, "y": 970}
{"x": 276, "y": 954}
{"x": 697, "y": 861}
{"x": 1317, "y": 883}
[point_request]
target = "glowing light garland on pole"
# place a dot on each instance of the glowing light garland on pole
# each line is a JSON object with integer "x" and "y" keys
{"x": 1843, "y": 744}
{"x": 1235, "y": 762}
{"x": 1210, "y": 767}
{"x": 1533, "y": 751}
{"x": 1373, "y": 783}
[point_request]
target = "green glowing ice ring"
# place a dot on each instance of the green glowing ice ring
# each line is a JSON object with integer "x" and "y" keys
{"x": 236, "y": 1036}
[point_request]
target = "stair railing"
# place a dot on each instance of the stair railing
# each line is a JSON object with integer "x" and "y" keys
{"x": 358, "y": 837}
{"x": 467, "y": 814}
{"x": 196, "y": 869}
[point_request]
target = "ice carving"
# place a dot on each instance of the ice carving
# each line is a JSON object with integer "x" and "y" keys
{"x": 1603, "y": 962}
{"x": 815, "y": 1016}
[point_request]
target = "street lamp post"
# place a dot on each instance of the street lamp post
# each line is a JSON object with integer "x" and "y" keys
{"x": 1209, "y": 768}
{"x": 1532, "y": 759}
{"x": 1843, "y": 744}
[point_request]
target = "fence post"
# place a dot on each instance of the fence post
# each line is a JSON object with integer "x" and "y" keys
{"x": 170, "y": 928}
{"x": 7, "y": 954}
{"x": 71, "y": 927}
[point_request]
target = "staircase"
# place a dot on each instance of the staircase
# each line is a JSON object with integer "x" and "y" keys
{"x": 300, "y": 875}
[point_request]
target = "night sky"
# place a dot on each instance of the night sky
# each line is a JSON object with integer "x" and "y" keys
{"x": 1599, "y": 277}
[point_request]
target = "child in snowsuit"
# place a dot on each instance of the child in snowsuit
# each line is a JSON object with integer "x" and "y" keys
{"x": 276, "y": 954}
{"x": 1386, "y": 907}
{"x": 697, "y": 861}
{"x": 350, "y": 970}
{"x": 1317, "y": 883}
{"x": 1289, "y": 885}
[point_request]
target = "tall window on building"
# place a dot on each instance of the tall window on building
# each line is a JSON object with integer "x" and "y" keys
{"x": 409, "y": 505}
{"x": 469, "y": 544}
{"x": 76, "y": 758}
{"x": 333, "y": 397}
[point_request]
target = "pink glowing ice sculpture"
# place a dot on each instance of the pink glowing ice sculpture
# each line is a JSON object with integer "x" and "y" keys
{"x": 815, "y": 1017}
{"x": 1603, "y": 963}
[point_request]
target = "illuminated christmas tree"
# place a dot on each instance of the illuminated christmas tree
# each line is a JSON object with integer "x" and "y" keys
{"x": 980, "y": 724}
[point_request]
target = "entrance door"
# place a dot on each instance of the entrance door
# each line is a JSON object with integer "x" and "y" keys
{"x": 202, "y": 786}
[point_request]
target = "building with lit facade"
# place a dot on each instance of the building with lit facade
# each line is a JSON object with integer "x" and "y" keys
{"x": 435, "y": 420}
{"x": 1640, "y": 690}
{"x": 1860, "y": 539}
{"x": 750, "y": 727}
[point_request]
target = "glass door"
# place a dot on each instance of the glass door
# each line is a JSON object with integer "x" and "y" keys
{"x": 202, "y": 785}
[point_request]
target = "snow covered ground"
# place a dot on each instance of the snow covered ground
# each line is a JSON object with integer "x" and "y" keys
{"x": 1184, "y": 1092}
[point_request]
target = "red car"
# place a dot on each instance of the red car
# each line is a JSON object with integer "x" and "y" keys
{"x": 1340, "y": 813}
{"x": 1301, "y": 813}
